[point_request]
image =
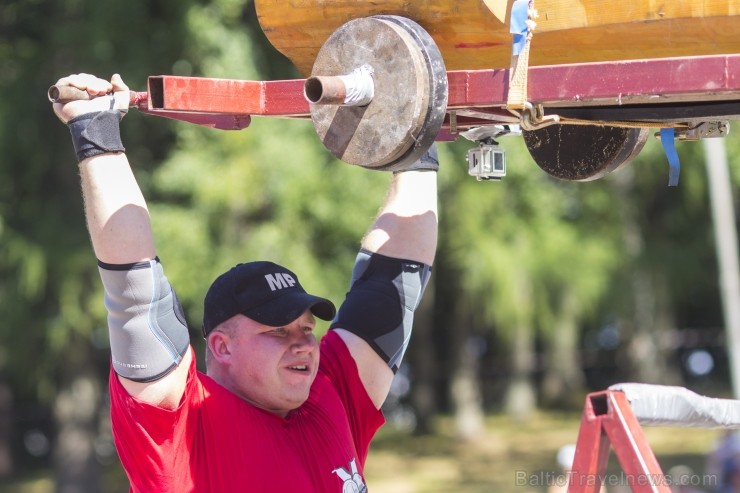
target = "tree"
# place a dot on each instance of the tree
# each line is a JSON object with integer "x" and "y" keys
{"x": 667, "y": 279}
{"x": 725, "y": 234}
{"x": 531, "y": 258}
{"x": 52, "y": 310}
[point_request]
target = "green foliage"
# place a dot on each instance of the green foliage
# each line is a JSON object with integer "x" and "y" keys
{"x": 522, "y": 243}
{"x": 676, "y": 230}
{"x": 52, "y": 303}
{"x": 511, "y": 253}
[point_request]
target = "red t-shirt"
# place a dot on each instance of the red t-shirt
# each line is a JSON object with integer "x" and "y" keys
{"x": 216, "y": 442}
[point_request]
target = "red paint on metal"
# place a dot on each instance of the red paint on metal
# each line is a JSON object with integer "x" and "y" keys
{"x": 285, "y": 98}
{"x": 608, "y": 420}
{"x": 477, "y": 88}
{"x": 229, "y": 96}
{"x": 592, "y": 453}
{"x": 446, "y": 136}
{"x": 220, "y": 121}
{"x": 482, "y": 92}
{"x": 139, "y": 99}
{"x": 636, "y": 81}
{"x": 660, "y": 80}
{"x": 205, "y": 95}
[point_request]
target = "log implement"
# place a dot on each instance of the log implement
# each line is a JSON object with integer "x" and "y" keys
{"x": 583, "y": 82}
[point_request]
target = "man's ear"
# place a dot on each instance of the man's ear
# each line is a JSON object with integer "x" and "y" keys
{"x": 220, "y": 345}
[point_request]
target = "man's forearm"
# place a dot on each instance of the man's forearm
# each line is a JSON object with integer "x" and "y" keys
{"x": 376, "y": 318}
{"x": 406, "y": 226}
{"x": 116, "y": 212}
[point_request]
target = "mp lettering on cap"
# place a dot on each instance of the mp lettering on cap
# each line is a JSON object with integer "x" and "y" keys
{"x": 279, "y": 281}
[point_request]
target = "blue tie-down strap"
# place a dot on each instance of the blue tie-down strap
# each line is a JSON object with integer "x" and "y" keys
{"x": 668, "y": 139}
{"x": 518, "y": 24}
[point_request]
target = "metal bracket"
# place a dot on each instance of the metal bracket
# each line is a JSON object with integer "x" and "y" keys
{"x": 533, "y": 117}
{"x": 703, "y": 130}
{"x": 484, "y": 132}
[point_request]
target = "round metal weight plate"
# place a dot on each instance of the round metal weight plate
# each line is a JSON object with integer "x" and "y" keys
{"x": 583, "y": 152}
{"x": 410, "y": 99}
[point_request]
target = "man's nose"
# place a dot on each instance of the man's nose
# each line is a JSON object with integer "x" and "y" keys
{"x": 303, "y": 342}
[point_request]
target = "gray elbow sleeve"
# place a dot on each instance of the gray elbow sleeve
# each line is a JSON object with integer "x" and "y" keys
{"x": 380, "y": 304}
{"x": 147, "y": 327}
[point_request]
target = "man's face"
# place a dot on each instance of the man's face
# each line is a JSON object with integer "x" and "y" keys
{"x": 273, "y": 367}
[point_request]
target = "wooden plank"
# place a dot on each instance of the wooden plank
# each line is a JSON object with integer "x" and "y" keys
{"x": 471, "y": 37}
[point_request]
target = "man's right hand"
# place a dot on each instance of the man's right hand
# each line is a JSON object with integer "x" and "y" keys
{"x": 116, "y": 90}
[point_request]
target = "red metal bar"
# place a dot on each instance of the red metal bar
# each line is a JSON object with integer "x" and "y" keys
{"x": 477, "y": 95}
{"x": 227, "y": 96}
{"x": 592, "y": 452}
{"x": 139, "y": 99}
{"x": 626, "y": 82}
{"x": 608, "y": 419}
{"x": 220, "y": 121}
{"x": 285, "y": 98}
{"x": 643, "y": 472}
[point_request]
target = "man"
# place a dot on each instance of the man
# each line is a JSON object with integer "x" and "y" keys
{"x": 277, "y": 411}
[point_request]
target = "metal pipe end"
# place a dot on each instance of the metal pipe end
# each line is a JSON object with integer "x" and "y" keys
{"x": 325, "y": 90}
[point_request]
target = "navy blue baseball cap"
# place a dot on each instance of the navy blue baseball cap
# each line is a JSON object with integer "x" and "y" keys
{"x": 263, "y": 291}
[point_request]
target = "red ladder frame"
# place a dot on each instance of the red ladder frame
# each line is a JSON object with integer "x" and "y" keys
{"x": 608, "y": 422}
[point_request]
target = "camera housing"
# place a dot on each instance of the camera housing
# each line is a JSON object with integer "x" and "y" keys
{"x": 487, "y": 161}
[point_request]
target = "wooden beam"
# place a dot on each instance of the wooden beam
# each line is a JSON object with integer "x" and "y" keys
{"x": 471, "y": 37}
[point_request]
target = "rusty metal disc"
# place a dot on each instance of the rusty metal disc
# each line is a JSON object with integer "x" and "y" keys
{"x": 410, "y": 98}
{"x": 583, "y": 152}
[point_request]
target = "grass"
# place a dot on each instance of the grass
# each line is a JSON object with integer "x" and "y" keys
{"x": 513, "y": 456}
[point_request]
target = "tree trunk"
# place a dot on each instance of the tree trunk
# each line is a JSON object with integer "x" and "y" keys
{"x": 465, "y": 390}
{"x": 466, "y": 394}
{"x": 6, "y": 430}
{"x": 725, "y": 235}
{"x": 563, "y": 378}
{"x": 649, "y": 351}
{"x": 76, "y": 411}
{"x": 649, "y": 319}
{"x": 422, "y": 360}
{"x": 520, "y": 400}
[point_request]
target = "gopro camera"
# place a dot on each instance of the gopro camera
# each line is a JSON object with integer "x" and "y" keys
{"x": 487, "y": 161}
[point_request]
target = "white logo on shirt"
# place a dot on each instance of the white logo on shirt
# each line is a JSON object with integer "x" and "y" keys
{"x": 279, "y": 281}
{"x": 353, "y": 482}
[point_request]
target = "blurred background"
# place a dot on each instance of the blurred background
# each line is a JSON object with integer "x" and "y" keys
{"x": 542, "y": 291}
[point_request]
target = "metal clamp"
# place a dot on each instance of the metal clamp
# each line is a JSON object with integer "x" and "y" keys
{"x": 705, "y": 130}
{"x": 533, "y": 117}
{"x": 702, "y": 130}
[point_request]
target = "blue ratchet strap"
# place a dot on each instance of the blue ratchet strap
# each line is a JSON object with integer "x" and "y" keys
{"x": 518, "y": 24}
{"x": 667, "y": 138}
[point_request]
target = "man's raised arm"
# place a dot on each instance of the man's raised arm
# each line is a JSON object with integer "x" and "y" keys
{"x": 389, "y": 277}
{"x": 149, "y": 339}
